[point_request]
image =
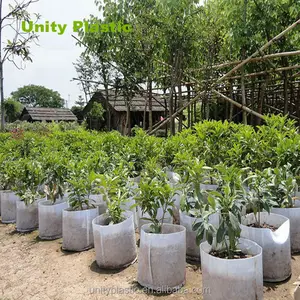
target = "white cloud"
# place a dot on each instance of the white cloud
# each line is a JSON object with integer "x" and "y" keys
{"x": 54, "y": 57}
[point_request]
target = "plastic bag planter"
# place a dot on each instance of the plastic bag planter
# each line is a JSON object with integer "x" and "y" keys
{"x": 77, "y": 229}
{"x": 8, "y": 207}
{"x": 234, "y": 279}
{"x": 50, "y": 219}
{"x": 276, "y": 245}
{"x": 168, "y": 219}
{"x": 208, "y": 187}
{"x": 27, "y": 216}
{"x": 97, "y": 200}
{"x": 128, "y": 206}
{"x": 192, "y": 249}
{"x": 115, "y": 245}
{"x": 161, "y": 265}
{"x": 293, "y": 214}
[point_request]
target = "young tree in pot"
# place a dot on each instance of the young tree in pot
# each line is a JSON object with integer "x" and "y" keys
{"x": 114, "y": 231}
{"x": 8, "y": 198}
{"x": 231, "y": 266}
{"x": 270, "y": 231}
{"x": 29, "y": 175}
{"x": 283, "y": 190}
{"x": 158, "y": 268}
{"x": 77, "y": 218}
{"x": 50, "y": 210}
{"x": 151, "y": 170}
{"x": 193, "y": 201}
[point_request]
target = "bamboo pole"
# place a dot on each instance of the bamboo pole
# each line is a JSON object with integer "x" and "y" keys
{"x": 255, "y": 59}
{"x": 267, "y": 72}
{"x": 265, "y": 46}
{"x": 245, "y": 108}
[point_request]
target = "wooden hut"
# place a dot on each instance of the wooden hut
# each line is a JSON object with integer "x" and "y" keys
{"x": 117, "y": 105}
{"x": 39, "y": 114}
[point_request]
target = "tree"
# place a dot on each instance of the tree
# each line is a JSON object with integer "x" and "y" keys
{"x": 80, "y": 102}
{"x": 38, "y": 96}
{"x": 12, "y": 109}
{"x": 19, "y": 45}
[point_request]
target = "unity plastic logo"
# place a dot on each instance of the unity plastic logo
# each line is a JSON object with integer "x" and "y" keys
{"x": 60, "y": 29}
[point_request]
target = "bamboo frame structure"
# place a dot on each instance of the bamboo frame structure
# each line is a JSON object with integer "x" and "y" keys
{"x": 260, "y": 87}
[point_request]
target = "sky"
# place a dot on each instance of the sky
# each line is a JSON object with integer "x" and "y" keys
{"x": 55, "y": 54}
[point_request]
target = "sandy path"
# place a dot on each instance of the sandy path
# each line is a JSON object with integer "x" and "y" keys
{"x": 33, "y": 269}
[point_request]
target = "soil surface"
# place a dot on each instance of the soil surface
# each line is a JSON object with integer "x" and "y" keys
{"x": 237, "y": 255}
{"x": 32, "y": 269}
{"x": 271, "y": 227}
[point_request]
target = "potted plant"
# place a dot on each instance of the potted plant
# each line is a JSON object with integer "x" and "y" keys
{"x": 193, "y": 200}
{"x": 270, "y": 231}
{"x": 160, "y": 268}
{"x": 50, "y": 210}
{"x": 152, "y": 170}
{"x": 114, "y": 231}
{"x": 29, "y": 174}
{"x": 283, "y": 190}
{"x": 77, "y": 218}
{"x": 231, "y": 266}
{"x": 8, "y": 197}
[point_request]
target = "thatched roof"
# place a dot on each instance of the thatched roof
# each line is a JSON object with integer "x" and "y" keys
{"x": 47, "y": 114}
{"x": 118, "y": 101}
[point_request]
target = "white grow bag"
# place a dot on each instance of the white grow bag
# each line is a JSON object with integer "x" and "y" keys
{"x": 27, "y": 216}
{"x": 97, "y": 200}
{"x": 50, "y": 219}
{"x": 77, "y": 229}
{"x": 293, "y": 214}
{"x": 128, "y": 206}
{"x": 232, "y": 279}
{"x": 192, "y": 249}
{"x": 115, "y": 245}
{"x": 276, "y": 245}
{"x": 8, "y": 207}
{"x": 162, "y": 257}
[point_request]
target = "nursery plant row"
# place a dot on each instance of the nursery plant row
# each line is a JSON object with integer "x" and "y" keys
{"x": 222, "y": 194}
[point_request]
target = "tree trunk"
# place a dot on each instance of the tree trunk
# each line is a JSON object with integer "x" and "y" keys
{"x": 231, "y": 105}
{"x": 172, "y": 125}
{"x": 285, "y": 92}
{"x": 128, "y": 120}
{"x": 252, "y": 100}
{"x": 244, "y": 103}
{"x": 107, "y": 108}
{"x": 180, "y": 104}
{"x": 150, "y": 103}
{"x": 189, "y": 107}
{"x": 261, "y": 99}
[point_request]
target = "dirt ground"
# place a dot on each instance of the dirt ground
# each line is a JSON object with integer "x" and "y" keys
{"x": 34, "y": 269}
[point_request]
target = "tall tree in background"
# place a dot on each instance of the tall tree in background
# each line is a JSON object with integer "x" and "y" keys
{"x": 13, "y": 110}
{"x": 119, "y": 58}
{"x": 18, "y": 46}
{"x": 38, "y": 96}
